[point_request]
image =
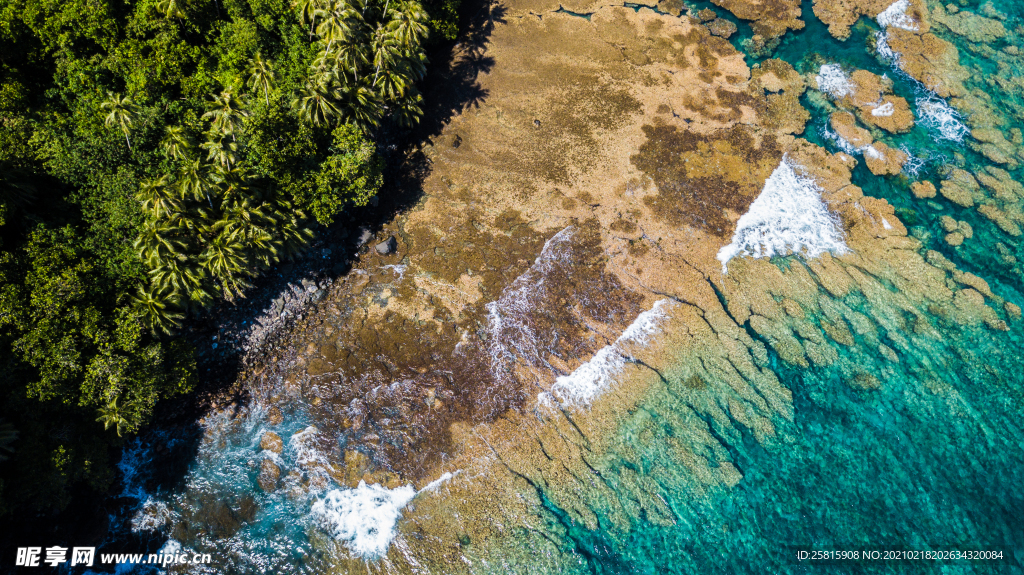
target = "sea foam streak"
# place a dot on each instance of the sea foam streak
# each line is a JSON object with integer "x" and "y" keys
{"x": 589, "y": 380}
{"x": 935, "y": 113}
{"x": 788, "y": 217}
{"x": 512, "y": 338}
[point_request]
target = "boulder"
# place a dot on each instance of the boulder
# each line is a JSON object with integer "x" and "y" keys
{"x": 272, "y": 442}
{"x": 387, "y": 246}
{"x": 274, "y": 415}
{"x": 269, "y": 474}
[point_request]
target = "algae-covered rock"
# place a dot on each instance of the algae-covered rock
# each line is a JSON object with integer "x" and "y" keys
{"x": 840, "y": 15}
{"x": 923, "y": 189}
{"x": 883, "y": 160}
{"x": 722, "y": 27}
{"x": 271, "y": 442}
{"x": 961, "y": 188}
{"x": 269, "y": 474}
{"x": 769, "y": 18}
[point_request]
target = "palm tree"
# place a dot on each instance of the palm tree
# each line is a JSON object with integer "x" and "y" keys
{"x": 361, "y": 104}
{"x": 121, "y": 112}
{"x": 338, "y": 17}
{"x": 193, "y": 180}
{"x": 177, "y": 277}
{"x": 261, "y": 76}
{"x": 408, "y": 24}
{"x": 220, "y": 150}
{"x": 156, "y": 242}
{"x": 225, "y": 113}
{"x": 152, "y": 306}
{"x": 350, "y": 56}
{"x": 408, "y": 109}
{"x": 225, "y": 259}
{"x": 315, "y": 104}
{"x": 156, "y": 198}
{"x": 307, "y": 10}
{"x": 176, "y": 143}
{"x": 385, "y": 50}
{"x": 110, "y": 415}
{"x": 170, "y": 9}
{"x": 7, "y": 436}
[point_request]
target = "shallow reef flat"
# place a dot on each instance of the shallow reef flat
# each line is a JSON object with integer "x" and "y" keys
{"x": 664, "y": 306}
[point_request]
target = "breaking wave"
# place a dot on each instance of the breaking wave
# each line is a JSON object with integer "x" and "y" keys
{"x": 935, "y": 113}
{"x": 589, "y": 380}
{"x": 364, "y": 517}
{"x": 788, "y": 217}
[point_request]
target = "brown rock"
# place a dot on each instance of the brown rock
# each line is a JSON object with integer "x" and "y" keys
{"x": 883, "y": 160}
{"x": 890, "y": 113}
{"x": 769, "y": 18}
{"x": 1012, "y": 310}
{"x": 864, "y": 381}
{"x": 997, "y": 325}
{"x": 272, "y": 442}
{"x": 954, "y": 239}
{"x": 845, "y": 125}
{"x": 929, "y": 59}
{"x": 875, "y": 105}
{"x": 274, "y": 415}
{"x": 961, "y": 188}
{"x": 722, "y": 27}
{"x": 923, "y": 189}
{"x": 269, "y": 474}
{"x": 840, "y": 15}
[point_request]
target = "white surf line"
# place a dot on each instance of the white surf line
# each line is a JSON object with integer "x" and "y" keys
{"x": 581, "y": 387}
{"x": 365, "y": 519}
{"x": 788, "y": 217}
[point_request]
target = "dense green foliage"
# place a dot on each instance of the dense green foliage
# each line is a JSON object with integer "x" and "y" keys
{"x": 155, "y": 156}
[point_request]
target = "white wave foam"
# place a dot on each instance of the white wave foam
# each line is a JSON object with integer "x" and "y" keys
{"x": 872, "y": 152}
{"x": 896, "y": 16}
{"x": 364, "y": 517}
{"x": 913, "y": 164}
{"x": 303, "y": 447}
{"x": 399, "y": 269}
{"x": 589, "y": 380}
{"x": 892, "y": 57}
{"x": 788, "y": 217}
{"x": 840, "y": 142}
{"x": 152, "y": 516}
{"x": 437, "y": 482}
{"x": 833, "y": 81}
{"x": 508, "y": 319}
{"x": 935, "y": 113}
{"x": 884, "y": 111}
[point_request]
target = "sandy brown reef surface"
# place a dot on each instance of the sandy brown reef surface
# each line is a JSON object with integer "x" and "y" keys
{"x": 604, "y": 165}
